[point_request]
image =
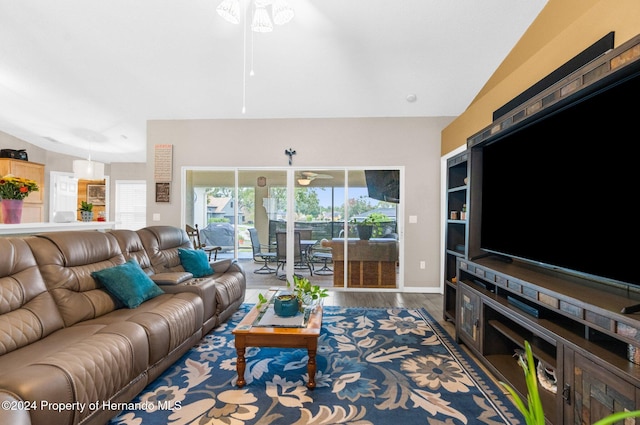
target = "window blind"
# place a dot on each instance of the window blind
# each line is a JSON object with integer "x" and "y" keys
{"x": 131, "y": 204}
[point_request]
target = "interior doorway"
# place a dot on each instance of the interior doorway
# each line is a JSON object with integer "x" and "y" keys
{"x": 66, "y": 191}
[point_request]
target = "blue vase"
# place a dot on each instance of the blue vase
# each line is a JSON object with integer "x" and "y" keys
{"x": 286, "y": 305}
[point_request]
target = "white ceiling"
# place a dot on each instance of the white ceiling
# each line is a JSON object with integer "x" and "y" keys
{"x": 82, "y": 77}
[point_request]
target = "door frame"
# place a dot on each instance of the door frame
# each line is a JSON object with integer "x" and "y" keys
{"x": 290, "y": 182}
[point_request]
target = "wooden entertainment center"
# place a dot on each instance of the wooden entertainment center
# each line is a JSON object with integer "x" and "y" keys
{"x": 573, "y": 325}
{"x": 587, "y": 350}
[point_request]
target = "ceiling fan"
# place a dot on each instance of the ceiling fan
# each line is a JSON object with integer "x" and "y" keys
{"x": 309, "y": 176}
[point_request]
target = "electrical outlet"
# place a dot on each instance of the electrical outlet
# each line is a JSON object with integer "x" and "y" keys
{"x": 156, "y": 217}
{"x": 423, "y": 264}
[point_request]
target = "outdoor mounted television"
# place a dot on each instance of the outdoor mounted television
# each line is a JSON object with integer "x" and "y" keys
{"x": 383, "y": 185}
{"x": 559, "y": 189}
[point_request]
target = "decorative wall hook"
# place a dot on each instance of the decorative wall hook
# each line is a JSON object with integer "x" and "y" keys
{"x": 290, "y": 152}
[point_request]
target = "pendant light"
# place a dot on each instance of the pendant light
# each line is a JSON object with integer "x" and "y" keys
{"x": 88, "y": 169}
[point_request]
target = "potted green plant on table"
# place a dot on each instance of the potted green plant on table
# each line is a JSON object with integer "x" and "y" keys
{"x": 298, "y": 296}
{"x": 533, "y": 411}
{"x": 286, "y": 305}
{"x": 371, "y": 226}
{"x": 86, "y": 211}
{"x": 306, "y": 293}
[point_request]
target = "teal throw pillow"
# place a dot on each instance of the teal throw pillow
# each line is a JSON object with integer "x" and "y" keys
{"x": 128, "y": 283}
{"x": 195, "y": 261}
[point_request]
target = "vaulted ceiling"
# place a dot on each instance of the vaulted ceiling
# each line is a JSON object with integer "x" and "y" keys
{"x": 82, "y": 77}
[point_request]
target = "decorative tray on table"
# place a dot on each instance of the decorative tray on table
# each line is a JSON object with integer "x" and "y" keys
{"x": 267, "y": 317}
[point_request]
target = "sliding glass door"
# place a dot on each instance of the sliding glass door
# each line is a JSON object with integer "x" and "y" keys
{"x": 323, "y": 216}
{"x": 372, "y": 241}
{"x": 211, "y": 206}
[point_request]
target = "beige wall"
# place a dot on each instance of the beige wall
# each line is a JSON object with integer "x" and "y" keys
{"x": 410, "y": 142}
{"x": 563, "y": 29}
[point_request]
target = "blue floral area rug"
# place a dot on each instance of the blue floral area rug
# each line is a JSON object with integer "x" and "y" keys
{"x": 374, "y": 366}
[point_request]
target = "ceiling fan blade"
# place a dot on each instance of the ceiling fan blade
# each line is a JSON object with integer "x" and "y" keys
{"x": 311, "y": 175}
{"x": 306, "y": 177}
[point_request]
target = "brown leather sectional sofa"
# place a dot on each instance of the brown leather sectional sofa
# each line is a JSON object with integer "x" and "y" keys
{"x": 70, "y": 352}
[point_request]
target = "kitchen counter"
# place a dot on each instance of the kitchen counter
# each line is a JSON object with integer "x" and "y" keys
{"x": 33, "y": 228}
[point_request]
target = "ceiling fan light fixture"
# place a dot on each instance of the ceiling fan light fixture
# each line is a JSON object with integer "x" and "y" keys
{"x": 304, "y": 182}
{"x": 230, "y": 11}
{"x": 282, "y": 12}
{"x": 261, "y": 20}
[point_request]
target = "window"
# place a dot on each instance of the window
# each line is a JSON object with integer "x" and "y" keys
{"x": 131, "y": 204}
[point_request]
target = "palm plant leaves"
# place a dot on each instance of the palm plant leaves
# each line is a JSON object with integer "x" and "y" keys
{"x": 533, "y": 412}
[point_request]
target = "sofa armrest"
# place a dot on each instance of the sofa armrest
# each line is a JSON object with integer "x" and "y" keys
{"x": 221, "y": 266}
{"x": 14, "y": 410}
{"x": 226, "y": 266}
{"x": 171, "y": 278}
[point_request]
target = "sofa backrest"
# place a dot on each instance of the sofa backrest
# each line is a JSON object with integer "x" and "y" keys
{"x": 66, "y": 261}
{"x": 131, "y": 247}
{"x": 27, "y": 310}
{"x": 161, "y": 244}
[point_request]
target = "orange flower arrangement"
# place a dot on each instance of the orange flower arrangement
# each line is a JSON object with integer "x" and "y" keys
{"x": 12, "y": 187}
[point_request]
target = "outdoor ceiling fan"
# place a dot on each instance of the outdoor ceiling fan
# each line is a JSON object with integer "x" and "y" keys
{"x": 309, "y": 176}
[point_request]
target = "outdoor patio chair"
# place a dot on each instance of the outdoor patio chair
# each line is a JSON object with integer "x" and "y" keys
{"x": 194, "y": 236}
{"x": 318, "y": 254}
{"x": 259, "y": 255}
{"x": 305, "y": 237}
{"x": 299, "y": 259}
{"x": 304, "y": 233}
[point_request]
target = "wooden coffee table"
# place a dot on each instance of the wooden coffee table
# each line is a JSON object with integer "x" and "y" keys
{"x": 248, "y": 335}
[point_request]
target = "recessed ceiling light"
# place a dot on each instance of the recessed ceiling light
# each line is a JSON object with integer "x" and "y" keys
{"x": 412, "y": 98}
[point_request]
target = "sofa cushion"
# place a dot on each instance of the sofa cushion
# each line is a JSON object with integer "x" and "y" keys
{"x": 128, "y": 283}
{"x": 169, "y": 320}
{"x": 205, "y": 288}
{"x": 131, "y": 247}
{"x": 66, "y": 260}
{"x": 161, "y": 244}
{"x": 27, "y": 311}
{"x": 77, "y": 364}
{"x": 195, "y": 261}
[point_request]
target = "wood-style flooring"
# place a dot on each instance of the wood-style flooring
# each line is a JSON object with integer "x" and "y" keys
{"x": 431, "y": 302}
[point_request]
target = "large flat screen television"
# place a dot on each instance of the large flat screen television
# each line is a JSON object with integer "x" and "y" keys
{"x": 559, "y": 190}
{"x": 383, "y": 185}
